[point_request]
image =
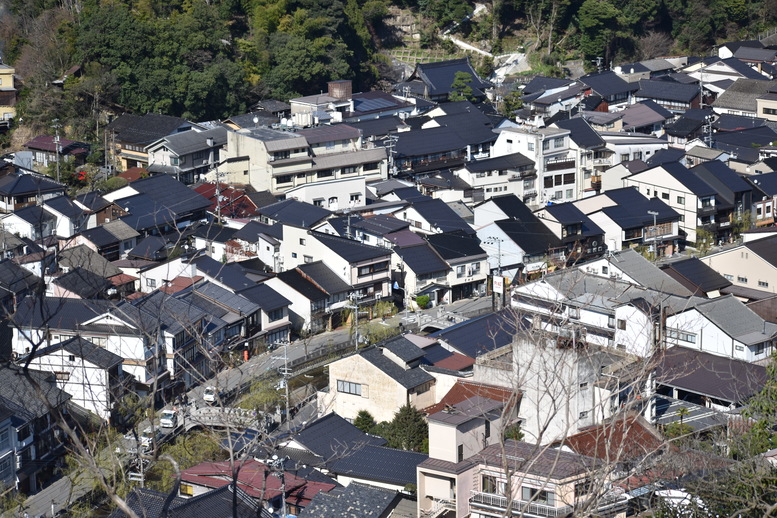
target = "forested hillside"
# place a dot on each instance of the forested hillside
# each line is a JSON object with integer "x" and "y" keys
{"x": 207, "y": 59}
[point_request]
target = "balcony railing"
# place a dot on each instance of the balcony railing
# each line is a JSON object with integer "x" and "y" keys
{"x": 557, "y": 165}
{"x": 706, "y": 209}
{"x": 520, "y": 507}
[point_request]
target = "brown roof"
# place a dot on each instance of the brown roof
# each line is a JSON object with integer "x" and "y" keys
{"x": 121, "y": 279}
{"x": 456, "y": 362}
{"x": 464, "y": 390}
{"x": 133, "y": 173}
{"x": 179, "y": 284}
{"x": 621, "y": 438}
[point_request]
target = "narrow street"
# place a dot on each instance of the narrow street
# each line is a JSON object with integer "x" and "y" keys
{"x": 59, "y": 495}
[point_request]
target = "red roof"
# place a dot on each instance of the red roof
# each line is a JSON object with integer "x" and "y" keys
{"x": 179, "y": 284}
{"x": 133, "y": 173}
{"x": 463, "y": 390}
{"x": 233, "y": 202}
{"x": 623, "y": 437}
{"x": 252, "y": 477}
{"x": 457, "y": 362}
{"x": 121, "y": 279}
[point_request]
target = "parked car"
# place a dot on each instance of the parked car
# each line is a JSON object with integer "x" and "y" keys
{"x": 210, "y": 394}
{"x": 168, "y": 419}
{"x": 149, "y": 436}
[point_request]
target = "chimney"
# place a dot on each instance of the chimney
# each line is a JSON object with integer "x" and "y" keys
{"x": 342, "y": 89}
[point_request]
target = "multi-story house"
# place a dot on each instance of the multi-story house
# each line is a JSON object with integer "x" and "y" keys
{"x": 7, "y": 93}
{"x": 750, "y": 265}
{"x": 675, "y": 97}
{"x": 187, "y": 156}
{"x": 19, "y": 190}
{"x": 128, "y": 135}
{"x": 555, "y": 161}
{"x": 90, "y": 374}
{"x": 30, "y": 437}
{"x": 592, "y": 155}
{"x": 380, "y": 379}
{"x": 629, "y": 219}
{"x": 468, "y": 263}
{"x": 419, "y": 270}
{"x": 277, "y": 161}
{"x": 507, "y": 174}
{"x": 582, "y": 237}
{"x": 629, "y": 146}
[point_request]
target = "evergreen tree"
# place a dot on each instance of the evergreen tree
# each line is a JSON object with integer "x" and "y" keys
{"x": 408, "y": 430}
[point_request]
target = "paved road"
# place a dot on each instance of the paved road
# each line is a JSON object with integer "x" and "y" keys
{"x": 61, "y": 493}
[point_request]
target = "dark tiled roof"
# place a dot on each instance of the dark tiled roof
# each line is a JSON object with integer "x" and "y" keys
{"x": 16, "y": 278}
{"x": 632, "y": 206}
{"x": 665, "y": 156}
{"x": 766, "y": 182}
{"x": 408, "y": 378}
{"x": 766, "y": 248}
{"x": 683, "y": 127}
{"x": 456, "y": 245}
{"x": 324, "y": 277}
{"x": 692, "y": 182}
{"x": 230, "y": 274}
{"x": 35, "y": 215}
{"x": 265, "y": 297}
{"x": 409, "y": 194}
{"x": 439, "y": 215}
{"x": 252, "y": 229}
{"x": 439, "y": 76}
{"x": 66, "y": 207}
{"x": 299, "y": 282}
{"x": 479, "y": 335}
{"x": 355, "y": 501}
{"x": 85, "y": 349}
{"x": 721, "y": 177}
{"x": 731, "y": 122}
{"x": 329, "y": 436}
{"x": 512, "y": 161}
{"x": 379, "y": 127}
{"x": 24, "y": 397}
{"x": 144, "y": 129}
{"x": 608, "y": 83}
{"x": 533, "y": 236}
{"x": 428, "y": 142}
{"x": 262, "y": 198}
{"x": 379, "y": 464}
{"x": 88, "y": 259}
{"x": 216, "y": 503}
{"x": 542, "y": 83}
{"x": 83, "y": 283}
{"x": 350, "y": 250}
{"x": 149, "y": 248}
{"x": 511, "y": 206}
{"x": 295, "y": 212}
{"x": 405, "y": 350}
{"x": 581, "y": 133}
{"x": 666, "y": 91}
{"x": 695, "y": 275}
{"x": 568, "y": 213}
{"x": 381, "y": 224}
{"x": 713, "y": 376}
{"x": 538, "y": 461}
{"x": 421, "y": 259}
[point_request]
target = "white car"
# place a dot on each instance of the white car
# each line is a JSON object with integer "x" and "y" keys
{"x": 168, "y": 419}
{"x": 210, "y": 394}
{"x": 149, "y": 436}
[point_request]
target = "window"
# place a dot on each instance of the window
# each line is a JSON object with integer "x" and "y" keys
{"x": 664, "y": 195}
{"x": 294, "y": 255}
{"x": 318, "y": 202}
{"x": 681, "y": 335}
{"x": 570, "y": 193}
{"x": 151, "y": 283}
{"x": 681, "y": 200}
{"x": 174, "y": 161}
{"x": 611, "y": 322}
{"x": 584, "y": 385}
{"x": 6, "y": 467}
{"x": 186, "y": 489}
{"x": 582, "y": 488}
{"x": 275, "y": 314}
{"x": 460, "y": 271}
{"x": 584, "y": 414}
{"x": 326, "y": 173}
{"x": 763, "y": 284}
{"x": 356, "y": 197}
{"x": 346, "y": 387}
{"x": 558, "y": 142}
{"x": 475, "y": 269}
{"x": 460, "y": 453}
{"x": 638, "y": 155}
{"x": 370, "y": 166}
{"x": 307, "y": 258}
{"x": 349, "y": 170}
{"x": 61, "y": 375}
{"x": 373, "y": 268}
{"x": 5, "y": 437}
{"x": 605, "y": 270}
{"x": 621, "y": 324}
{"x": 284, "y": 178}
{"x": 302, "y": 241}
{"x": 741, "y": 279}
{"x": 545, "y": 145}
{"x": 760, "y": 348}
{"x": 487, "y": 431}
{"x": 530, "y": 145}
{"x": 539, "y": 496}
{"x": 71, "y": 358}
{"x": 625, "y": 157}
{"x": 728, "y": 276}
{"x": 488, "y": 484}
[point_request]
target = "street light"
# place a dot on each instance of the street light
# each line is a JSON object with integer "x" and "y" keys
{"x": 655, "y": 231}
{"x": 285, "y": 374}
{"x": 277, "y": 466}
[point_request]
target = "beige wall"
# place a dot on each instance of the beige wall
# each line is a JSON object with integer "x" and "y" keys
{"x": 738, "y": 264}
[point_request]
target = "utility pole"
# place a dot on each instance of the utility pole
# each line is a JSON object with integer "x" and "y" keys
{"x": 56, "y": 125}
{"x": 286, "y": 381}
{"x": 498, "y": 241}
{"x": 655, "y": 232}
